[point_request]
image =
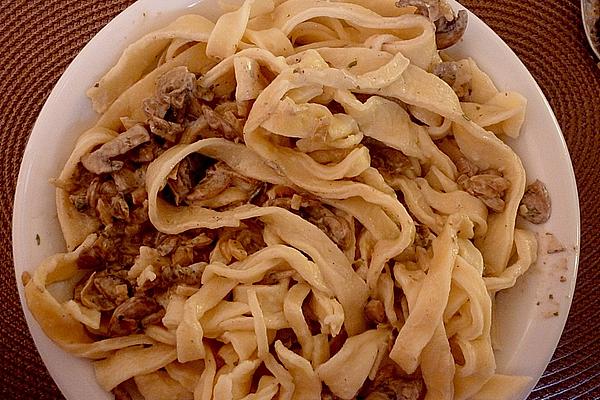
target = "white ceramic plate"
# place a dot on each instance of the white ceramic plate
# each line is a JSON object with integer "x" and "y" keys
{"x": 528, "y": 336}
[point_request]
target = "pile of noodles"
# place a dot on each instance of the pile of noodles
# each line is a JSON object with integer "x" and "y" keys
{"x": 316, "y": 52}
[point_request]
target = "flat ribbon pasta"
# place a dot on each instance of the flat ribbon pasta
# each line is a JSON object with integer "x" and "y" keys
{"x": 139, "y": 56}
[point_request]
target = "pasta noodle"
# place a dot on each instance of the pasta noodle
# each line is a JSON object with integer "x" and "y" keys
{"x": 305, "y": 199}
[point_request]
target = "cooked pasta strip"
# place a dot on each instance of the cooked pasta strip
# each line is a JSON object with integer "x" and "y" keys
{"x": 130, "y": 362}
{"x": 139, "y": 57}
{"x": 422, "y": 321}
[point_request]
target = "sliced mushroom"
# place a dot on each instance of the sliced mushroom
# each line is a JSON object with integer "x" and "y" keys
{"x": 174, "y": 87}
{"x": 449, "y": 32}
{"x": 217, "y": 179}
{"x": 391, "y": 163}
{"x": 165, "y": 129}
{"x": 391, "y": 384}
{"x": 334, "y": 226}
{"x": 457, "y": 75}
{"x": 183, "y": 255}
{"x": 167, "y": 245}
{"x": 224, "y": 125}
{"x": 128, "y": 316}
{"x": 104, "y": 292}
{"x": 536, "y": 205}
{"x": 375, "y": 312}
{"x": 463, "y": 164}
{"x": 100, "y": 161}
{"x": 179, "y": 274}
{"x": 423, "y": 7}
{"x": 180, "y": 180}
{"x": 121, "y": 393}
{"x": 449, "y": 27}
{"x": 489, "y": 188}
{"x": 127, "y": 179}
{"x": 242, "y": 241}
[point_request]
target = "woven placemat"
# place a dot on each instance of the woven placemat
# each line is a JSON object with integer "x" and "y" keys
{"x": 38, "y": 39}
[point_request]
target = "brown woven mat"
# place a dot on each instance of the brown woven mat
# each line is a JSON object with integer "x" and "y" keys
{"x": 38, "y": 39}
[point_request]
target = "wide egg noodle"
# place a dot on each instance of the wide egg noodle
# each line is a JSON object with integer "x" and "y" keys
{"x": 291, "y": 13}
{"x": 272, "y": 39}
{"x": 292, "y": 308}
{"x": 139, "y": 56}
{"x": 254, "y": 268}
{"x": 387, "y": 122}
{"x": 344, "y": 377}
{"x": 159, "y": 385}
{"x": 420, "y": 49}
{"x": 502, "y": 114}
{"x": 311, "y": 32}
{"x": 437, "y": 363}
{"x": 489, "y": 152}
{"x": 86, "y": 316}
{"x": 235, "y": 384}
{"x": 132, "y": 361}
{"x": 204, "y": 387}
{"x": 130, "y": 102}
{"x": 418, "y": 205}
{"x": 189, "y": 331}
{"x": 243, "y": 342}
{"x": 429, "y": 306}
{"x": 526, "y": 247}
{"x": 267, "y": 389}
{"x": 454, "y": 202}
{"x": 385, "y": 8}
{"x": 230, "y": 28}
{"x": 187, "y": 374}
{"x": 76, "y": 226}
{"x": 307, "y": 383}
{"x": 339, "y": 190}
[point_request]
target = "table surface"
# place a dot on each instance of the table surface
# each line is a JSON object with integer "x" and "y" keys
{"x": 39, "y": 38}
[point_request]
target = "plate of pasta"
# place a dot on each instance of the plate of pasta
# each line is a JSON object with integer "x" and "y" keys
{"x": 298, "y": 199}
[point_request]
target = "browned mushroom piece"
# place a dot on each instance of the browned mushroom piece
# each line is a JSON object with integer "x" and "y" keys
{"x": 224, "y": 123}
{"x": 536, "y": 205}
{"x": 217, "y": 179}
{"x": 457, "y": 75}
{"x": 121, "y": 393}
{"x": 180, "y": 182}
{"x": 175, "y": 86}
{"x": 246, "y": 238}
{"x": 464, "y": 166}
{"x": 391, "y": 163}
{"x": 391, "y": 384}
{"x": 336, "y": 227}
{"x": 133, "y": 314}
{"x": 375, "y": 311}
{"x": 423, "y": 7}
{"x": 487, "y": 187}
{"x": 166, "y": 111}
{"x": 100, "y": 161}
{"x": 103, "y": 291}
{"x": 449, "y": 32}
